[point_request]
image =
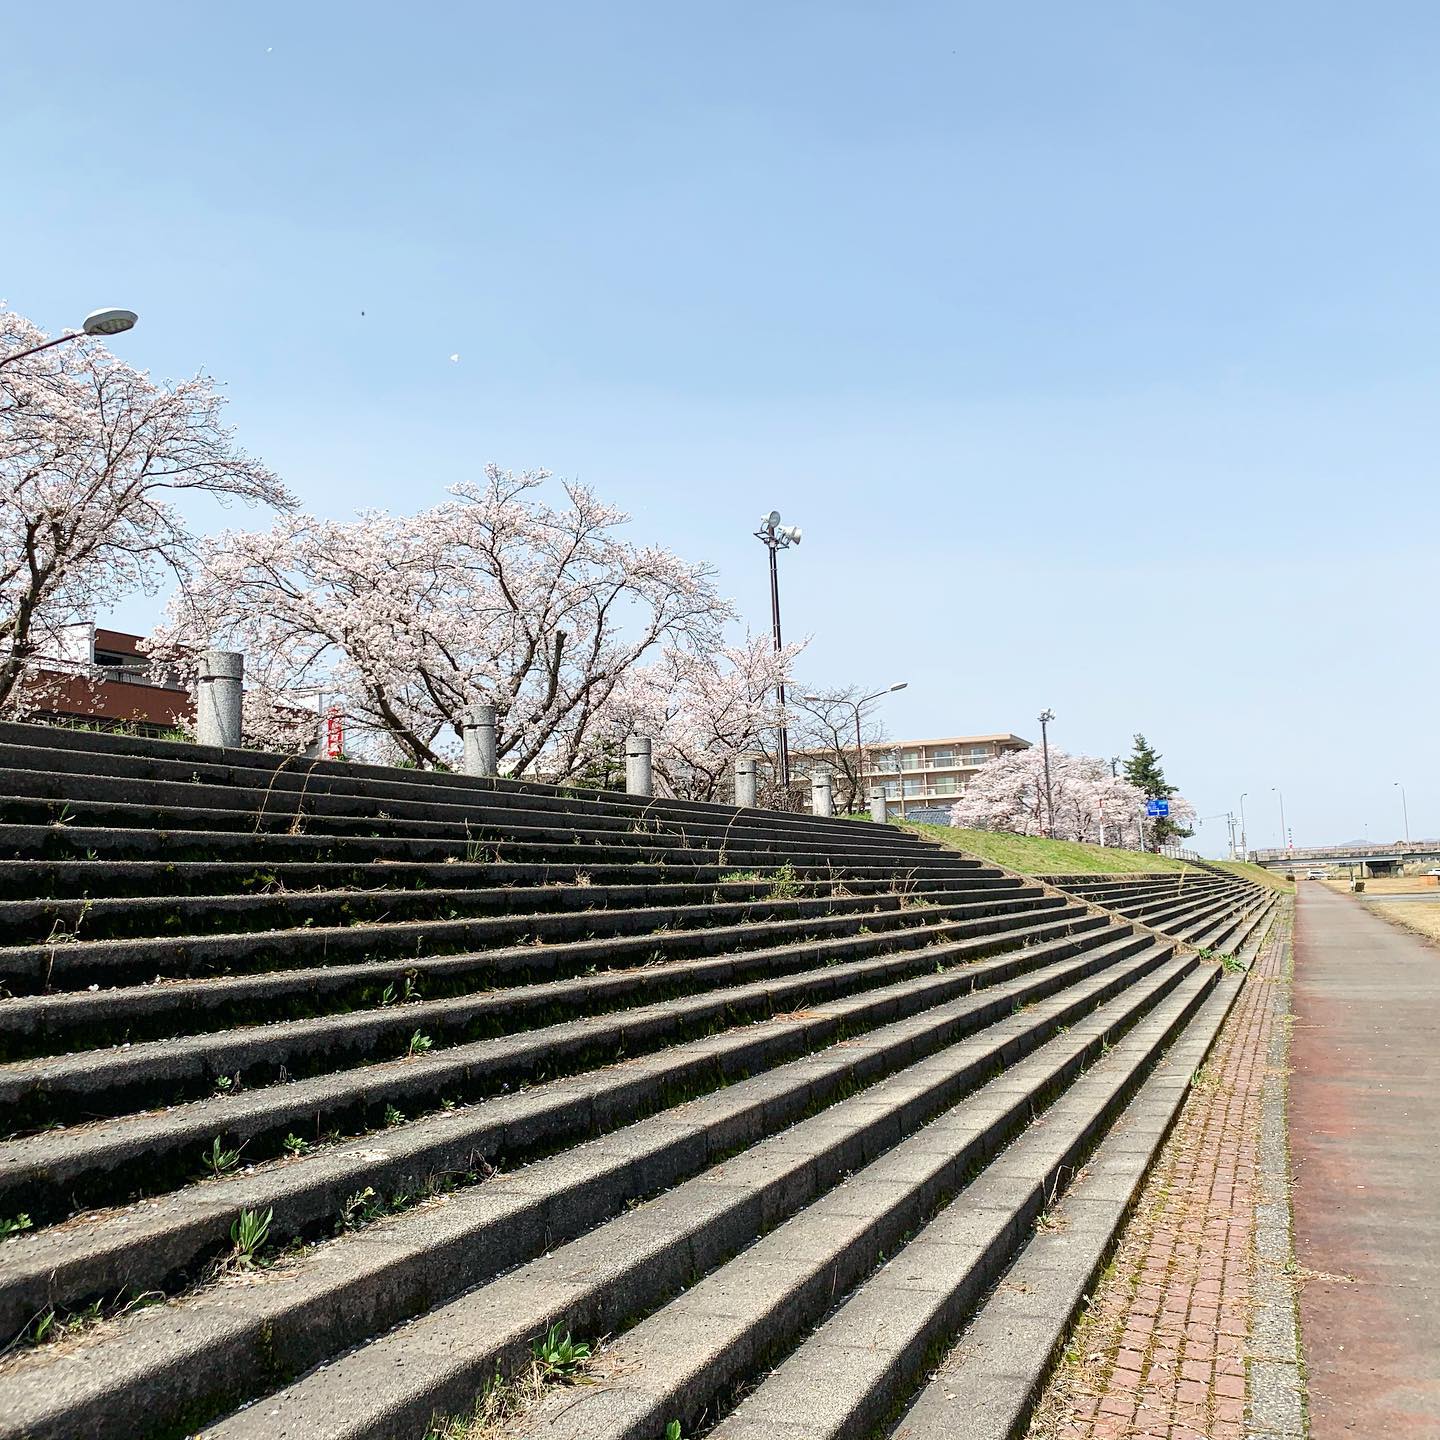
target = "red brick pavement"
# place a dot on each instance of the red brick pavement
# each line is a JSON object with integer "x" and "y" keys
{"x": 1161, "y": 1350}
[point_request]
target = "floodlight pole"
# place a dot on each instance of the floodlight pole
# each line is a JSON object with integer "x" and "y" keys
{"x": 1046, "y": 716}
{"x": 1244, "y": 838}
{"x": 777, "y": 537}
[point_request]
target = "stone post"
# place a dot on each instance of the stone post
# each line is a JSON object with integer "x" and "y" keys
{"x": 479, "y": 738}
{"x": 218, "y": 698}
{"x": 821, "y": 797}
{"x": 639, "y": 779}
{"x": 746, "y": 784}
{"x": 877, "y": 805}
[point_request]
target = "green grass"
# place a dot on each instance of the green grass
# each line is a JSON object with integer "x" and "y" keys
{"x": 1258, "y": 873}
{"x": 1030, "y": 855}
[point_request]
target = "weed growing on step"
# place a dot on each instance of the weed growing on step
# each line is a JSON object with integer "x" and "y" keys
{"x": 10, "y": 1228}
{"x": 559, "y": 1356}
{"x": 52, "y": 1326}
{"x": 672, "y": 1430}
{"x": 500, "y": 1403}
{"x": 393, "y": 1117}
{"x": 294, "y": 1145}
{"x": 741, "y": 877}
{"x": 218, "y": 1160}
{"x": 361, "y": 1208}
{"x": 248, "y": 1235}
{"x": 785, "y": 884}
{"x": 419, "y": 1044}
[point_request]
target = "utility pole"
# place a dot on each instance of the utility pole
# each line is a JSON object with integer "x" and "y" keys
{"x": 1046, "y": 716}
{"x": 1405, "y": 808}
{"x": 1244, "y": 839}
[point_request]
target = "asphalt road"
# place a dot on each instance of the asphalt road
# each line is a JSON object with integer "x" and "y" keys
{"x": 1365, "y": 1144}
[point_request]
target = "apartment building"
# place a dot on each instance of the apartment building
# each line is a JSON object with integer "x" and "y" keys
{"x": 920, "y": 775}
{"x": 102, "y": 678}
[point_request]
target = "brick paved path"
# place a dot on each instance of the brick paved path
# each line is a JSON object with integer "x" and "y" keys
{"x": 1162, "y": 1349}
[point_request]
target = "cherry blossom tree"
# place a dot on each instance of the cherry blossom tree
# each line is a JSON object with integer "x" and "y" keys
{"x": 94, "y": 456}
{"x": 494, "y": 596}
{"x": 1008, "y": 793}
{"x": 701, "y": 711}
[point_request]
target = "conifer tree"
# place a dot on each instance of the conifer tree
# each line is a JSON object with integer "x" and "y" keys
{"x": 1143, "y": 771}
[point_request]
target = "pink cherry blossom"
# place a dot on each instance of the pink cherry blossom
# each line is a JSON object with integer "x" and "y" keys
{"x": 93, "y": 457}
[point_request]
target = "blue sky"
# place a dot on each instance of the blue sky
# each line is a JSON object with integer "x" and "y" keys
{"x": 1094, "y": 347}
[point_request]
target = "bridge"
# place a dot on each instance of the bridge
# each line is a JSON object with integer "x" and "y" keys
{"x": 1369, "y": 859}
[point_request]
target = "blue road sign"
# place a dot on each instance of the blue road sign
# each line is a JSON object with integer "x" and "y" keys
{"x": 1157, "y": 808}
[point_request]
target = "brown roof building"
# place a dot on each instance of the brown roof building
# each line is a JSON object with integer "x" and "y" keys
{"x": 102, "y": 678}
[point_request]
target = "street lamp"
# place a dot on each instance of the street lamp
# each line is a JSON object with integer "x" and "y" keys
{"x": 1405, "y": 810}
{"x": 1283, "y": 831}
{"x": 856, "y": 705}
{"x": 1244, "y": 842}
{"x": 97, "y": 322}
{"x": 777, "y": 537}
{"x": 1046, "y": 716}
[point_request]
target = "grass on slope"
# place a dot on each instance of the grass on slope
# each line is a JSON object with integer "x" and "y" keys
{"x": 1258, "y": 873}
{"x": 1031, "y": 855}
{"x": 1421, "y": 916}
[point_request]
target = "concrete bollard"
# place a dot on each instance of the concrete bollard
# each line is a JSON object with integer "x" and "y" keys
{"x": 479, "y": 739}
{"x": 822, "y": 801}
{"x": 219, "y": 698}
{"x": 877, "y": 805}
{"x": 639, "y": 779}
{"x": 747, "y": 786}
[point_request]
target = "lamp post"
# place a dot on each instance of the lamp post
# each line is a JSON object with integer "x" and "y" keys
{"x": 856, "y": 706}
{"x": 1244, "y": 841}
{"x": 777, "y": 537}
{"x": 97, "y": 322}
{"x": 1404, "y": 809}
{"x": 1045, "y": 717}
{"x": 1283, "y": 831}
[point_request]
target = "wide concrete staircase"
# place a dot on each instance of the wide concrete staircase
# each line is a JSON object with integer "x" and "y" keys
{"x": 331, "y": 1090}
{"x": 1219, "y": 913}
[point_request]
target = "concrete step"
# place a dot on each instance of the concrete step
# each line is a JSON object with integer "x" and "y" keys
{"x": 986, "y": 1386}
{"x": 111, "y": 1161}
{"x": 71, "y": 964}
{"x": 126, "y": 836}
{"x": 219, "y": 792}
{"x": 101, "y": 917}
{"x": 286, "y": 778}
{"x": 824, "y": 1227}
{"x": 638, "y": 1254}
{"x": 86, "y": 828}
{"x": 65, "y": 1088}
{"x": 90, "y": 1018}
{"x": 79, "y": 879}
{"x": 148, "y": 1247}
{"x": 33, "y": 1025}
{"x": 848, "y": 1374}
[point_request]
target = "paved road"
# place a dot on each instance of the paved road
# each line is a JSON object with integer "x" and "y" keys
{"x": 1365, "y": 1141}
